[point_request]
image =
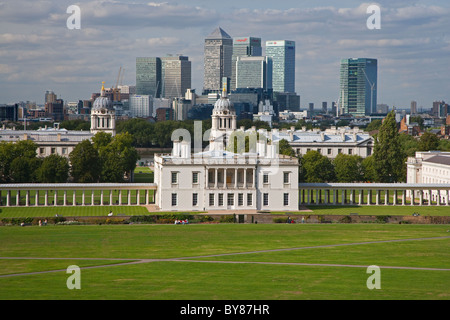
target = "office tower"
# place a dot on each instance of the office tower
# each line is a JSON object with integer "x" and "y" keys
{"x": 243, "y": 47}
{"x": 148, "y": 76}
{"x": 141, "y": 105}
{"x": 254, "y": 72}
{"x": 333, "y": 108}
{"x": 176, "y": 76}
{"x": 217, "y": 60}
{"x": 283, "y": 56}
{"x": 413, "y": 107}
{"x": 311, "y": 107}
{"x": 50, "y": 96}
{"x": 324, "y": 107}
{"x": 358, "y": 86}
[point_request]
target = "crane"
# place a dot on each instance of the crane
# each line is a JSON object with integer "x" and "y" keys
{"x": 116, "y": 90}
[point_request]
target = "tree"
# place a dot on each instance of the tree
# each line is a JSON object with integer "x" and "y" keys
{"x": 54, "y": 169}
{"x": 85, "y": 161}
{"x": 389, "y": 157}
{"x": 368, "y": 169}
{"x": 285, "y": 148}
{"x": 374, "y": 125}
{"x": 18, "y": 161}
{"x": 316, "y": 168}
{"x": 428, "y": 141}
{"x": 348, "y": 168}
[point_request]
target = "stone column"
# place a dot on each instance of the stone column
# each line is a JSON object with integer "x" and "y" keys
{"x": 395, "y": 197}
{"x": 138, "y": 197}
{"x": 8, "y": 198}
{"x": 65, "y": 198}
{"x": 83, "y": 198}
{"x": 430, "y": 197}
{"x": 110, "y": 197}
{"x": 235, "y": 178}
{"x": 403, "y": 197}
{"x": 254, "y": 178}
{"x": 360, "y": 196}
{"x": 74, "y": 198}
{"x": 245, "y": 178}
{"x": 55, "y": 198}
{"x": 36, "y": 198}
{"x": 216, "y": 176}
{"x": 27, "y": 198}
{"x": 18, "y": 198}
{"x": 420, "y": 197}
{"x": 101, "y": 197}
{"x": 129, "y": 197}
{"x": 46, "y": 198}
{"x": 412, "y": 197}
{"x": 369, "y": 196}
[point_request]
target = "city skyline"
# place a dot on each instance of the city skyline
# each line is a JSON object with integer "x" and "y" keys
{"x": 39, "y": 53}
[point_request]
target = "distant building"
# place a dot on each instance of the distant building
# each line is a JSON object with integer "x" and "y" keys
{"x": 413, "y": 109}
{"x": 358, "y": 86}
{"x": 148, "y": 76}
{"x": 218, "y": 51}
{"x": 176, "y": 76}
{"x": 282, "y": 53}
{"x": 164, "y": 114}
{"x": 141, "y": 105}
{"x": 9, "y": 112}
{"x": 329, "y": 143}
{"x": 254, "y": 72}
{"x": 243, "y": 47}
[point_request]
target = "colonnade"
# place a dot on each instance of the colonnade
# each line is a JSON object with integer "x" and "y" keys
{"x": 77, "y": 194}
{"x": 213, "y": 179}
{"x": 374, "y": 194}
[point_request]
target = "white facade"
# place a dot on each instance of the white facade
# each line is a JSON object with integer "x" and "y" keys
{"x": 217, "y": 179}
{"x": 329, "y": 143}
{"x": 431, "y": 167}
{"x": 141, "y": 105}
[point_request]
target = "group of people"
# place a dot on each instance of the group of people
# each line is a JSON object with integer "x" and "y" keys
{"x": 181, "y": 221}
{"x": 289, "y": 220}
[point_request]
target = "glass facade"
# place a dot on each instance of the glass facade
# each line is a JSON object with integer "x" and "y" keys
{"x": 243, "y": 47}
{"x": 176, "y": 76}
{"x": 254, "y": 72}
{"x": 283, "y": 57}
{"x": 148, "y": 76}
{"x": 217, "y": 60}
{"x": 358, "y": 86}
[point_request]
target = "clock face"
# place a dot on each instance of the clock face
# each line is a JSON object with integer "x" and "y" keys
{"x": 103, "y": 111}
{"x": 224, "y": 112}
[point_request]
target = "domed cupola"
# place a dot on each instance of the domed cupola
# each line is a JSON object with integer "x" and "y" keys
{"x": 223, "y": 122}
{"x": 103, "y": 114}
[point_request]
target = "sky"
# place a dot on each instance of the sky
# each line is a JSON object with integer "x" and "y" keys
{"x": 38, "y": 52}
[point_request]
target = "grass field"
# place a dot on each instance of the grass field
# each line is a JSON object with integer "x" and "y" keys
{"x": 227, "y": 261}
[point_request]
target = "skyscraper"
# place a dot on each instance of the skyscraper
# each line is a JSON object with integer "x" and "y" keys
{"x": 176, "y": 76}
{"x": 413, "y": 107}
{"x": 243, "y": 47}
{"x": 358, "y": 86}
{"x": 148, "y": 76}
{"x": 254, "y": 72}
{"x": 283, "y": 55}
{"x": 217, "y": 60}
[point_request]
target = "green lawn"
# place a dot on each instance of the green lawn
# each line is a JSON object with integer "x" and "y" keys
{"x": 189, "y": 280}
{"x": 382, "y": 210}
{"x": 78, "y": 211}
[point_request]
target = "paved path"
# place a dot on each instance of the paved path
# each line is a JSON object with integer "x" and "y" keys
{"x": 194, "y": 259}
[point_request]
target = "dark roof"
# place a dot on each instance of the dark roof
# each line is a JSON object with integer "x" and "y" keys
{"x": 439, "y": 159}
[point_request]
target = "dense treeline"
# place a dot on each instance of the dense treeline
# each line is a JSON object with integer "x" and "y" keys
{"x": 105, "y": 159}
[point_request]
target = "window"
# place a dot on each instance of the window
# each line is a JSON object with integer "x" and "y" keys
{"x": 329, "y": 151}
{"x": 174, "y": 199}
{"x": 220, "y": 199}
{"x": 211, "y": 199}
{"x": 285, "y": 177}
{"x": 194, "y": 177}
{"x": 285, "y": 199}
{"x": 195, "y": 199}
{"x": 53, "y": 150}
{"x": 41, "y": 150}
{"x": 350, "y": 151}
{"x": 339, "y": 151}
{"x": 64, "y": 150}
{"x": 174, "y": 177}
{"x": 230, "y": 199}
{"x": 249, "y": 199}
{"x": 265, "y": 178}
{"x": 265, "y": 199}
{"x": 240, "y": 199}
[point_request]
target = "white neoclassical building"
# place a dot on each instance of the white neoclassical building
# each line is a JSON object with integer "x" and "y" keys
{"x": 219, "y": 179}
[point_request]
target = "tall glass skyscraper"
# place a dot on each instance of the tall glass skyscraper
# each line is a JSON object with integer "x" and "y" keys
{"x": 243, "y": 47}
{"x": 217, "y": 60}
{"x": 176, "y": 76}
{"x": 358, "y": 86}
{"x": 283, "y": 56}
{"x": 254, "y": 72}
{"x": 148, "y": 76}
